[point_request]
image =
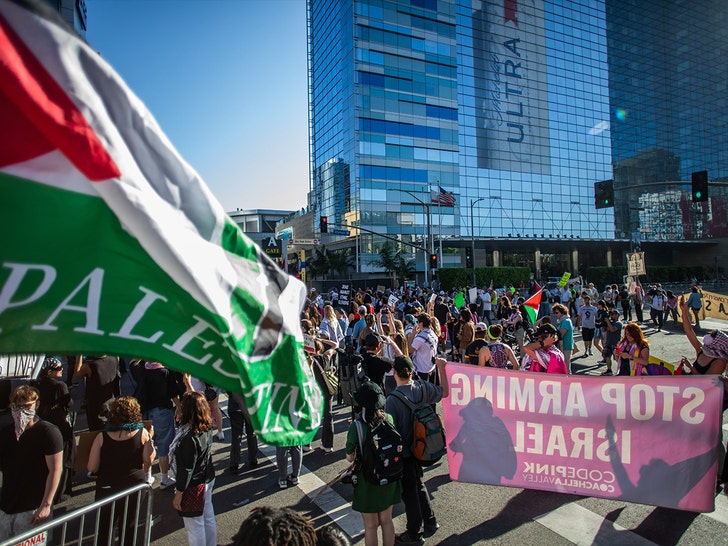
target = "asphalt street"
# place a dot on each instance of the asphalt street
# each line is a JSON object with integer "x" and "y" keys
{"x": 468, "y": 513}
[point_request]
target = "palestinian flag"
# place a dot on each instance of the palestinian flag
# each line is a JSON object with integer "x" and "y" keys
{"x": 112, "y": 244}
{"x": 531, "y": 305}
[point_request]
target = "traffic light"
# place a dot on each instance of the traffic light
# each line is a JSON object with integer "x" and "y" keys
{"x": 324, "y": 224}
{"x": 604, "y": 194}
{"x": 468, "y": 257}
{"x": 700, "y": 186}
{"x": 433, "y": 261}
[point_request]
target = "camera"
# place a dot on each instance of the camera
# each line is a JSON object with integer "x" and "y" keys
{"x": 385, "y": 311}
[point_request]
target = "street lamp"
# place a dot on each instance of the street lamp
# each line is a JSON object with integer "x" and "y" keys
{"x": 428, "y": 234}
{"x": 472, "y": 235}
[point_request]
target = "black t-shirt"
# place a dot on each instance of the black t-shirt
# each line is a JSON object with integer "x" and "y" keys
{"x": 375, "y": 367}
{"x": 472, "y": 351}
{"x": 160, "y": 386}
{"x": 24, "y": 466}
{"x": 440, "y": 311}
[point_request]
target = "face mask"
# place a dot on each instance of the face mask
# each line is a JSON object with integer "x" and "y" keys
{"x": 22, "y": 417}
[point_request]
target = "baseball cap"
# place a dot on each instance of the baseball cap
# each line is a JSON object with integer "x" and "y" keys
{"x": 546, "y": 330}
{"x": 370, "y": 396}
{"x": 362, "y": 309}
{"x": 614, "y": 312}
{"x": 402, "y": 364}
{"x": 481, "y": 327}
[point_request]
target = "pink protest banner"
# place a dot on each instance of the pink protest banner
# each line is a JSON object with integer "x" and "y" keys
{"x": 651, "y": 440}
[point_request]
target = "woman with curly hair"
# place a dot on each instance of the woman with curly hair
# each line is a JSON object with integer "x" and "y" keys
{"x": 267, "y": 525}
{"x": 191, "y": 456}
{"x": 121, "y": 455}
{"x": 633, "y": 351}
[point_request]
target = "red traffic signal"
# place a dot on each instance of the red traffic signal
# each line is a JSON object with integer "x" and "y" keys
{"x": 324, "y": 224}
{"x": 433, "y": 261}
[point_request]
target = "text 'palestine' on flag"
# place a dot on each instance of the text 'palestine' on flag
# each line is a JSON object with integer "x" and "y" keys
{"x": 531, "y": 305}
{"x": 118, "y": 247}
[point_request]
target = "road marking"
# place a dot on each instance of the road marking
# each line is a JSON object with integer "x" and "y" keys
{"x": 333, "y": 504}
{"x": 584, "y": 528}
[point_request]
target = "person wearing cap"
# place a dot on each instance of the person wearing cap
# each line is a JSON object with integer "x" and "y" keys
{"x": 612, "y": 328}
{"x": 543, "y": 353}
{"x": 421, "y": 518}
{"x": 374, "y": 502}
{"x": 54, "y": 406}
{"x": 473, "y": 349}
{"x": 495, "y": 353}
{"x": 711, "y": 355}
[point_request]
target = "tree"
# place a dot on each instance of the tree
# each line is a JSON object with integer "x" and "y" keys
{"x": 341, "y": 261}
{"x": 393, "y": 262}
{"x": 318, "y": 264}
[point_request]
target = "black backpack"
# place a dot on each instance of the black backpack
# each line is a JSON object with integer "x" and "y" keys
{"x": 380, "y": 449}
{"x": 351, "y": 374}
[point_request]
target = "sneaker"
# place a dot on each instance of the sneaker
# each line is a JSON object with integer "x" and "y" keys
{"x": 608, "y": 372}
{"x": 293, "y": 480}
{"x": 234, "y": 470}
{"x": 589, "y": 352}
{"x": 326, "y": 449}
{"x": 602, "y": 362}
{"x": 283, "y": 484}
{"x": 166, "y": 482}
{"x": 307, "y": 448}
{"x": 431, "y": 528}
{"x": 252, "y": 464}
{"x": 220, "y": 436}
{"x": 407, "y": 539}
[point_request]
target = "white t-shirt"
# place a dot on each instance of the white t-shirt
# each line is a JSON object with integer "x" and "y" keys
{"x": 424, "y": 347}
{"x": 487, "y": 306}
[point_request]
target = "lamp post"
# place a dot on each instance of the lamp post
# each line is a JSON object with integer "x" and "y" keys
{"x": 428, "y": 238}
{"x": 472, "y": 235}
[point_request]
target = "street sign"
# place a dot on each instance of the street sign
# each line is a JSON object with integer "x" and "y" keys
{"x": 344, "y": 232}
{"x": 304, "y": 242}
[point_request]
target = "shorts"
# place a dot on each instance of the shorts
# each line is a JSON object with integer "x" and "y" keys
{"x": 599, "y": 333}
{"x": 587, "y": 334}
{"x": 608, "y": 351}
{"x": 14, "y": 524}
{"x": 163, "y": 422}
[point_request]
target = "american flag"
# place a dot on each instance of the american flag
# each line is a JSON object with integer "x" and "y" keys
{"x": 442, "y": 197}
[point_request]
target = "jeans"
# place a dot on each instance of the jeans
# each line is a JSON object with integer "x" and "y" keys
{"x": 202, "y": 530}
{"x": 282, "y": 461}
{"x": 327, "y": 422}
{"x": 239, "y": 423}
{"x": 163, "y": 422}
{"x": 416, "y": 499}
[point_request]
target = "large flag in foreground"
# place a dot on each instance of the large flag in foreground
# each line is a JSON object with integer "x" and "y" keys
{"x": 112, "y": 244}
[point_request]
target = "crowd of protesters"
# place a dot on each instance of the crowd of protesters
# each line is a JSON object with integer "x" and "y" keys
{"x": 404, "y": 339}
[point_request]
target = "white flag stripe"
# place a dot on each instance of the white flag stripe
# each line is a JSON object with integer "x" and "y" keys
{"x": 160, "y": 200}
{"x": 585, "y": 528}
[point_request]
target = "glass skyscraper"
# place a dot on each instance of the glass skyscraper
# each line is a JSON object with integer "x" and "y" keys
{"x": 517, "y": 108}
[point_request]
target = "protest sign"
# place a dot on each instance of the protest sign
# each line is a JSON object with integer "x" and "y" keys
{"x": 650, "y": 440}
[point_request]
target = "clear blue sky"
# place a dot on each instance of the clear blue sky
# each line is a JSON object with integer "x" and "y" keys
{"x": 227, "y": 82}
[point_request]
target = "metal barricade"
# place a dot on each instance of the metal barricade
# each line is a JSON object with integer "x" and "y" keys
{"x": 72, "y": 528}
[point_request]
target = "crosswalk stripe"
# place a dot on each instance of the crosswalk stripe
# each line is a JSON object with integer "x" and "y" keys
{"x": 584, "y": 528}
{"x": 334, "y": 505}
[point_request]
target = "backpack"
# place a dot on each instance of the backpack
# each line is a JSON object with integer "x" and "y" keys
{"x": 381, "y": 452}
{"x": 351, "y": 374}
{"x": 428, "y": 433}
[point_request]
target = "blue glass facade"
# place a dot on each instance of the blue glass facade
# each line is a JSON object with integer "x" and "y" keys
{"x": 517, "y": 108}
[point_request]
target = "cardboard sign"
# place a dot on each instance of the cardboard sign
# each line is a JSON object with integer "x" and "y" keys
{"x": 309, "y": 343}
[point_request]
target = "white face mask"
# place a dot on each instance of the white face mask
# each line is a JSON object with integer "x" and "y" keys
{"x": 22, "y": 417}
